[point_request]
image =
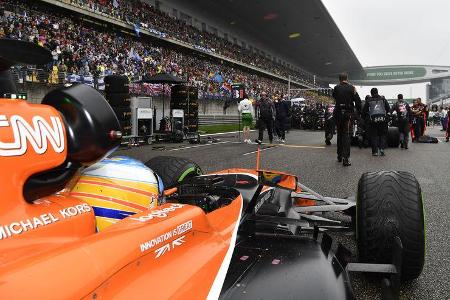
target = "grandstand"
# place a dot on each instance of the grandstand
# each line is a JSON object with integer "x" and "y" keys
{"x": 90, "y": 39}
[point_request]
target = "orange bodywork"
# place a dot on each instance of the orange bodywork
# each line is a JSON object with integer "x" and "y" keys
{"x": 49, "y": 249}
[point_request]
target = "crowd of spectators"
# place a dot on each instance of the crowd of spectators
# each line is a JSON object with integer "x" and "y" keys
{"x": 145, "y": 16}
{"x": 79, "y": 48}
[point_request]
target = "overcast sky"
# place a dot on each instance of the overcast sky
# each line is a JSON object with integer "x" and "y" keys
{"x": 394, "y": 32}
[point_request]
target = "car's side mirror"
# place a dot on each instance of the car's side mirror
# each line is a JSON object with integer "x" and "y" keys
{"x": 278, "y": 179}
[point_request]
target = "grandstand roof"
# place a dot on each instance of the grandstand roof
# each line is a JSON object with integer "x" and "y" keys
{"x": 320, "y": 48}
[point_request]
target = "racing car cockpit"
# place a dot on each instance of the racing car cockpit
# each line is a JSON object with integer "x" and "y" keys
{"x": 42, "y": 146}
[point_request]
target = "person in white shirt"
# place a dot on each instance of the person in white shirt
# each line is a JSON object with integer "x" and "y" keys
{"x": 245, "y": 107}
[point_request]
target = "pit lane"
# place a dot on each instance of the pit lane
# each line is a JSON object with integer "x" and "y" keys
{"x": 306, "y": 156}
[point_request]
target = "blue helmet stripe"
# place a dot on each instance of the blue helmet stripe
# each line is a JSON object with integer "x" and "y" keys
{"x": 111, "y": 213}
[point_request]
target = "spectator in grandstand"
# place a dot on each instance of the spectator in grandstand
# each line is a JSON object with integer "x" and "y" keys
{"x": 403, "y": 112}
{"x": 245, "y": 107}
{"x": 347, "y": 101}
{"x": 266, "y": 118}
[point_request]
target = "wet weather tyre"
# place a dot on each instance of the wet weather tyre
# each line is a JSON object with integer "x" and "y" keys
{"x": 173, "y": 170}
{"x": 389, "y": 203}
{"x": 393, "y": 137}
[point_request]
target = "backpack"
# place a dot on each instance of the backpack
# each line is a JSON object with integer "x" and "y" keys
{"x": 266, "y": 109}
{"x": 377, "y": 111}
{"x": 402, "y": 110}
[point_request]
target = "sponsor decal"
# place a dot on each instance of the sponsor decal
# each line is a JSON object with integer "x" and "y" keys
{"x": 162, "y": 250}
{"x": 39, "y": 135}
{"x": 177, "y": 231}
{"x": 19, "y": 227}
{"x": 159, "y": 213}
{"x": 266, "y": 196}
{"x": 167, "y": 247}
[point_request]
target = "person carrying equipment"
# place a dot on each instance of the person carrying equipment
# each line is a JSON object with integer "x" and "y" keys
{"x": 403, "y": 111}
{"x": 375, "y": 112}
{"x": 245, "y": 107}
{"x": 266, "y": 117}
{"x": 347, "y": 100}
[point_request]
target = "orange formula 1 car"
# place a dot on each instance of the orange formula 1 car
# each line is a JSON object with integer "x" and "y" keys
{"x": 77, "y": 226}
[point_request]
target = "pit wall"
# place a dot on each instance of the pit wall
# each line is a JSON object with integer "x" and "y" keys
{"x": 36, "y": 93}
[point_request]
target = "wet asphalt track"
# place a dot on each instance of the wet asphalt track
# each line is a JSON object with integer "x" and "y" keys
{"x": 316, "y": 166}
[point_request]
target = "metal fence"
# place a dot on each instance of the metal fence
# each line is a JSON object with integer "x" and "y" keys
{"x": 217, "y": 119}
{"x": 41, "y": 76}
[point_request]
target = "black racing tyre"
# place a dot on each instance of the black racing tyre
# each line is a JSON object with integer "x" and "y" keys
{"x": 116, "y": 84}
{"x": 173, "y": 170}
{"x": 393, "y": 137}
{"x": 123, "y": 113}
{"x": 389, "y": 203}
{"x": 118, "y": 99}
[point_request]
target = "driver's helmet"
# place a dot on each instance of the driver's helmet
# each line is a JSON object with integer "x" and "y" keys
{"x": 118, "y": 187}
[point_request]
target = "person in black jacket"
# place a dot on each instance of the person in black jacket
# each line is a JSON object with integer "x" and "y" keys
{"x": 403, "y": 111}
{"x": 375, "y": 114}
{"x": 347, "y": 100}
{"x": 266, "y": 111}
{"x": 283, "y": 112}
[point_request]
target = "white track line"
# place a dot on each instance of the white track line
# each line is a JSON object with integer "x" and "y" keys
{"x": 223, "y": 133}
{"x": 261, "y": 150}
{"x": 203, "y": 145}
{"x": 303, "y": 146}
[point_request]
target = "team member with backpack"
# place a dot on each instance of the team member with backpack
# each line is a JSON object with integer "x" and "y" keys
{"x": 374, "y": 112}
{"x": 403, "y": 111}
{"x": 266, "y": 117}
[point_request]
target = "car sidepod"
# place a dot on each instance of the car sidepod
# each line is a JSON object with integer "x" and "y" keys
{"x": 278, "y": 266}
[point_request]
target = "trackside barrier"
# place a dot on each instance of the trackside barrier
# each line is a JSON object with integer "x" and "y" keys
{"x": 217, "y": 119}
